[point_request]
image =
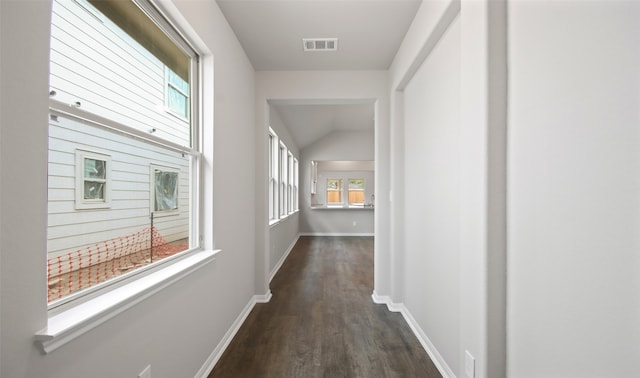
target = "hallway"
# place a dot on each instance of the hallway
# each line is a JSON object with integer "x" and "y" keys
{"x": 321, "y": 321}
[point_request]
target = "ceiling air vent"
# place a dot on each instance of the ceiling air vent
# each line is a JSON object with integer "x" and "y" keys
{"x": 320, "y": 44}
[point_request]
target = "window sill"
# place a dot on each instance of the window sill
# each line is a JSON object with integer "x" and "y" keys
{"x": 67, "y": 325}
{"x": 322, "y": 207}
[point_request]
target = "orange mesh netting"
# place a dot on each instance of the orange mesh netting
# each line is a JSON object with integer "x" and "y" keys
{"x": 97, "y": 263}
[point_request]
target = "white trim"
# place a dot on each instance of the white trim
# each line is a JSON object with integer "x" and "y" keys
{"x": 263, "y": 298}
{"x": 337, "y": 234}
{"x": 428, "y": 346}
{"x": 276, "y": 268}
{"x": 74, "y": 322}
{"x": 217, "y": 352}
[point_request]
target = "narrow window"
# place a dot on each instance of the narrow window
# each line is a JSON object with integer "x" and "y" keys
{"x": 356, "y": 192}
{"x": 273, "y": 178}
{"x": 283, "y": 180}
{"x": 296, "y": 203}
{"x": 334, "y": 192}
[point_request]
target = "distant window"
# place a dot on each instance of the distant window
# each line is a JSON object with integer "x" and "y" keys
{"x": 290, "y": 204}
{"x": 334, "y": 192}
{"x": 177, "y": 95}
{"x": 282, "y": 165}
{"x": 273, "y": 175}
{"x": 93, "y": 175}
{"x": 356, "y": 192}
{"x": 165, "y": 189}
{"x": 296, "y": 202}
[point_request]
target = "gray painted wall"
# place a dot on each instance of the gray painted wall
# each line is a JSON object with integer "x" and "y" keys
{"x": 431, "y": 193}
{"x": 574, "y": 179}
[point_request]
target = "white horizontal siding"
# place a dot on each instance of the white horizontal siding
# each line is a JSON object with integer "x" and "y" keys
{"x": 109, "y": 73}
{"x": 71, "y": 230}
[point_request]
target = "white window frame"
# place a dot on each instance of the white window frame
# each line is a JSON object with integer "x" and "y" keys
{"x": 80, "y": 202}
{"x": 290, "y": 206}
{"x": 75, "y": 317}
{"x": 340, "y": 191}
{"x": 58, "y": 108}
{"x": 363, "y": 190}
{"x": 273, "y": 175}
{"x": 152, "y": 190}
{"x": 282, "y": 164}
{"x": 296, "y": 195}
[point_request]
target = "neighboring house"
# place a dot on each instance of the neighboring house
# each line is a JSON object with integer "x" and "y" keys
{"x": 105, "y": 184}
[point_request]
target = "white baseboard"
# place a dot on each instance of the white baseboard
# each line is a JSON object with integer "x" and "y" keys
{"x": 264, "y": 298}
{"x": 428, "y": 346}
{"x": 337, "y": 234}
{"x": 211, "y": 362}
{"x": 284, "y": 257}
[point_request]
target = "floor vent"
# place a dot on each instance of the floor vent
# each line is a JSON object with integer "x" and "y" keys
{"x": 320, "y": 44}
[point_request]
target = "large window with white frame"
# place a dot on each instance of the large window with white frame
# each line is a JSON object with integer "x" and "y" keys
{"x": 118, "y": 154}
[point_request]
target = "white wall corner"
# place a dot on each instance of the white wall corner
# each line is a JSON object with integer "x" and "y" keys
{"x": 263, "y": 298}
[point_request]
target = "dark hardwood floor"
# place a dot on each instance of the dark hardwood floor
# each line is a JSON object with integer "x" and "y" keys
{"x": 321, "y": 321}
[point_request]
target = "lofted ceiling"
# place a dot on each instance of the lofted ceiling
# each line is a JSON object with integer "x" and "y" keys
{"x": 309, "y": 122}
{"x": 369, "y": 34}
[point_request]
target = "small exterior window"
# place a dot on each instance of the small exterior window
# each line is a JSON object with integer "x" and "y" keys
{"x": 165, "y": 189}
{"x": 93, "y": 176}
{"x": 356, "y": 192}
{"x": 334, "y": 192}
{"x": 177, "y": 95}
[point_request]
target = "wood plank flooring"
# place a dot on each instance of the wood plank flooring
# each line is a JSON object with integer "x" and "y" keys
{"x": 321, "y": 321}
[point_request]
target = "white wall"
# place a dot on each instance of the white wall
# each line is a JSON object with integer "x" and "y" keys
{"x": 481, "y": 284}
{"x": 431, "y": 194}
{"x": 185, "y": 327}
{"x": 574, "y": 179}
{"x": 340, "y": 87}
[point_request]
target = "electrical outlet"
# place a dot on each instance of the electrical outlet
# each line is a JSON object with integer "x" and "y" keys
{"x": 355, "y": 223}
{"x": 469, "y": 364}
{"x": 146, "y": 373}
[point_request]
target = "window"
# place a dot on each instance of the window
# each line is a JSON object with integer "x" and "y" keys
{"x": 296, "y": 204}
{"x": 164, "y": 189}
{"x": 356, "y": 192}
{"x": 177, "y": 95}
{"x": 290, "y": 184}
{"x": 334, "y": 192}
{"x": 115, "y": 66}
{"x": 93, "y": 172}
{"x": 273, "y": 175}
{"x": 283, "y": 179}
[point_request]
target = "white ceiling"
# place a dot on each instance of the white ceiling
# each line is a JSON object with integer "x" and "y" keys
{"x": 369, "y": 34}
{"x": 310, "y": 122}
